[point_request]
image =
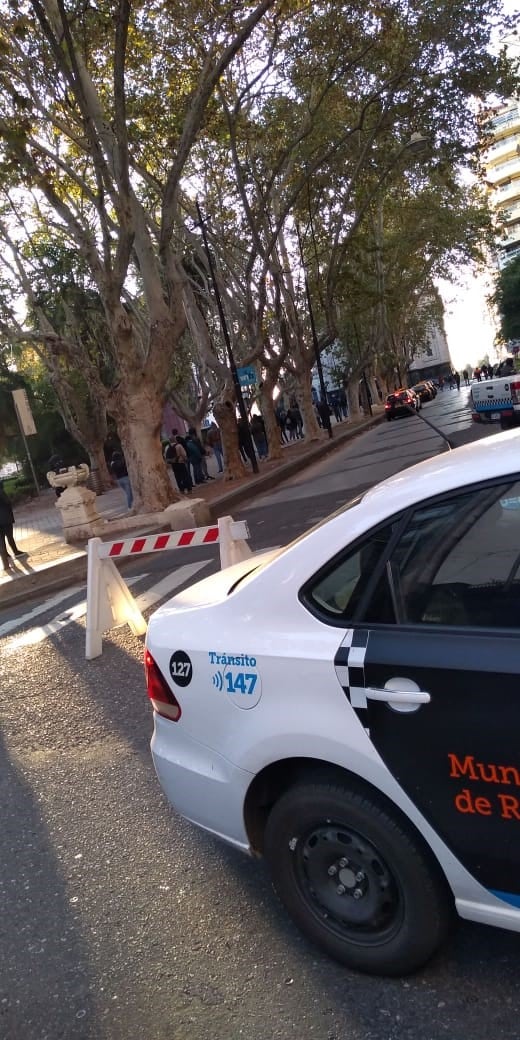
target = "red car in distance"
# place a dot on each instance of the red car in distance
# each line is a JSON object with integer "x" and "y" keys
{"x": 401, "y": 402}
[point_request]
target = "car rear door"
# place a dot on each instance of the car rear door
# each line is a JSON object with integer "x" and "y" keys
{"x": 435, "y": 678}
{"x": 492, "y": 399}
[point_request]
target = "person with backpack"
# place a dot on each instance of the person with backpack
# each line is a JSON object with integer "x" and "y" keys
{"x": 176, "y": 456}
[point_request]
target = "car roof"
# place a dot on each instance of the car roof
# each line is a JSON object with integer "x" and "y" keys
{"x": 493, "y": 456}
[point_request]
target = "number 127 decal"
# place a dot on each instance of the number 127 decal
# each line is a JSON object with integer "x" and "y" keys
{"x": 241, "y": 682}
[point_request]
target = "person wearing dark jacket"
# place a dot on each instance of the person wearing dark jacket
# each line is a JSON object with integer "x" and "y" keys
{"x": 259, "y": 436}
{"x": 120, "y": 472}
{"x": 192, "y": 433}
{"x": 6, "y": 531}
{"x": 195, "y": 456}
{"x": 57, "y": 465}
{"x": 175, "y": 455}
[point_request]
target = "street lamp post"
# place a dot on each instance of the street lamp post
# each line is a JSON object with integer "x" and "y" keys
{"x": 315, "y": 344}
{"x": 233, "y": 368}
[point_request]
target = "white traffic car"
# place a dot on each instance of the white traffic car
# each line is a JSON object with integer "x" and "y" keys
{"x": 349, "y": 707}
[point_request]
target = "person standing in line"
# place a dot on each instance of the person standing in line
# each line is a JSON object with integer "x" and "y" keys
{"x": 120, "y": 472}
{"x": 324, "y": 413}
{"x": 457, "y": 380}
{"x": 195, "y": 456}
{"x": 290, "y": 425}
{"x": 465, "y": 377}
{"x": 295, "y": 416}
{"x": 281, "y": 418}
{"x": 259, "y": 436}
{"x": 176, "y": 456}
{"x": 337, "y": 410}
{"x": 176, "y": 436}
{"x": 196, "y": 440}
{"x": 214, "y": 441}
{"x": 242, "y": 439}
{"x": 6, "y": 532}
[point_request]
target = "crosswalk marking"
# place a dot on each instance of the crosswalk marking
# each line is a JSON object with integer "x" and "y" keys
{"x": 146, "y": 600}
{"x": 40, "y": 608}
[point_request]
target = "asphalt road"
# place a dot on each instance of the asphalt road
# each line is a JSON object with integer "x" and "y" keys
{"x": 118, "y": 920}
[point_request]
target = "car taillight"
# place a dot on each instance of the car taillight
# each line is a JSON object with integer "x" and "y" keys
{"x": 162, "y": 698}
{"x": 515, "y": 389}
{"x": 387, "y": 405}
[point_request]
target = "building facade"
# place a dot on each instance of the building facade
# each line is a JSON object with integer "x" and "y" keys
{"x": 432, "y": 359}
{"x": 502, "y": 164}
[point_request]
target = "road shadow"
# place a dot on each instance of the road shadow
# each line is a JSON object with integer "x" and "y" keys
{"x": 39, "y": 930}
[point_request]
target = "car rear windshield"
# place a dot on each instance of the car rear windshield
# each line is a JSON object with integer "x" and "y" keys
{"x": 283, "y": 548}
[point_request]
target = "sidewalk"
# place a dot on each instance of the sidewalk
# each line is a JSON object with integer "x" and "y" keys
{"x": 53, "y": 564}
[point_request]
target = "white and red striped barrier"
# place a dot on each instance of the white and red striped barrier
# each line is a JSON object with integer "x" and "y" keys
{"x": 238, "y": 531}
{"x": 109, "y": 600}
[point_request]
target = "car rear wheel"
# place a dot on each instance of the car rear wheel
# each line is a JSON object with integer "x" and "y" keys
{"x": 355, "y": 881}
{"x": 506, "y": 423}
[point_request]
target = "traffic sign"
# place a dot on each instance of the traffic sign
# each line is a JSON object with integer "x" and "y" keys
{"x": 247, "y": 375}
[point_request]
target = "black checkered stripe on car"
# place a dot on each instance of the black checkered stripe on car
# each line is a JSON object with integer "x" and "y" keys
{"x": 492, "y": 405}
{"x": 350, "y": 670}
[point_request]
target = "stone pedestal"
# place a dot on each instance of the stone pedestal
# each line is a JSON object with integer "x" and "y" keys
{"x": 193, "y": 512}
{"x": 78, "y": 511}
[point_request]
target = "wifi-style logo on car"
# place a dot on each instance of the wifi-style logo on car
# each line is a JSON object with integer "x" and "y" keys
{"x": 240, "y": 679}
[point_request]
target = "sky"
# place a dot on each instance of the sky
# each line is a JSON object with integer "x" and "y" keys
{"x": 468, "y": 321}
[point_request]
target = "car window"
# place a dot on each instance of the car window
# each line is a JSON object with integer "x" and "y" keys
{"x": 458, "y": 561}
{"x": 337, "y": 591}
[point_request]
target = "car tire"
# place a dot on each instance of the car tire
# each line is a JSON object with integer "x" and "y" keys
{"x": 323, "y": 837}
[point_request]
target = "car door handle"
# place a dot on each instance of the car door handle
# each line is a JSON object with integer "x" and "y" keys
{"x": 398, "y": 696}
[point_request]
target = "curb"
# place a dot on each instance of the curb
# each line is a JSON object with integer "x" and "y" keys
{"x": 54, "y": 576}
{"x": 49, "y": 578}
{"x": 239, "y": 495}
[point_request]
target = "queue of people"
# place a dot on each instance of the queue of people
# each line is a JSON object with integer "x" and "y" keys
{"x": 187, "y": 453}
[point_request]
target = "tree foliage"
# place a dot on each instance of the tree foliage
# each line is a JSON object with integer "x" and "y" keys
{"x": 507, "y": 299}
{"x": 275, "y": 113}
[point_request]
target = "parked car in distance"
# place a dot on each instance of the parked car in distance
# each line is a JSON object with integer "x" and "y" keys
{"x": 400, "y": 402}
{"x": 424, "y": 391}
{"x": 433, "y": 386}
